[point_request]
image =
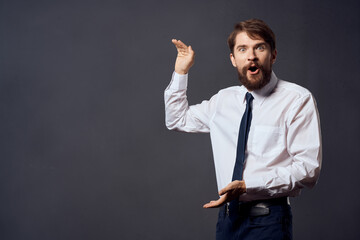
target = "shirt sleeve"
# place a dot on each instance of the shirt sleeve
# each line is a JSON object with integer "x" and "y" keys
{"x": 179, "y": 115}
{"x": 303, "y": 142}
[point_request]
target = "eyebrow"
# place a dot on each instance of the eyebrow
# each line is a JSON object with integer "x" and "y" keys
{"x": 256, "y": 45}
{"x": 241, "y": 46}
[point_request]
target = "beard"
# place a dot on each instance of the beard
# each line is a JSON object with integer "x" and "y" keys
{"x": 258, "y": 81}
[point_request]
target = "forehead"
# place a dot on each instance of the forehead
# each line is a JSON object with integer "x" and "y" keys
{"x": 242, "y": 38}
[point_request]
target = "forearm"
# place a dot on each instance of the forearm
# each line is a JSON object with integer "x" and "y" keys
{"x": 285, "y": 181}
{"x": 178, "y": 115}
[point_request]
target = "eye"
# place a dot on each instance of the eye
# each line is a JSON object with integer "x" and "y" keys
{"x": 261, "y": 47}
{"x": 242, "y": 49}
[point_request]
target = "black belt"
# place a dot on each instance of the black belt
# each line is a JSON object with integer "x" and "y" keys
{"x": 258, "y": 207}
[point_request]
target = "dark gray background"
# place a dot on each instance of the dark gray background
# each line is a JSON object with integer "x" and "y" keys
{"x": 84, "y": 152}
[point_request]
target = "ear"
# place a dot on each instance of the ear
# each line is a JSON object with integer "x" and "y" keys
{"x": 232, "y": 58}
{"x": 273, "y": 56}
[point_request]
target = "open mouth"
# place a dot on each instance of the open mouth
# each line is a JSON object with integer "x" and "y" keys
{"x": 254, "y": 69}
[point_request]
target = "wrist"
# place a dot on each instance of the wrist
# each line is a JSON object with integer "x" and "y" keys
{"x": 181, "y": 72}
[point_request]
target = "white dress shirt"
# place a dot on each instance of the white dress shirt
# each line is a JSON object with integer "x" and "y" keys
{"x": 283, "y": 151}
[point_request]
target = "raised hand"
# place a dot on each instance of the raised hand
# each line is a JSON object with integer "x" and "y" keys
{"x": 185, "y": 57}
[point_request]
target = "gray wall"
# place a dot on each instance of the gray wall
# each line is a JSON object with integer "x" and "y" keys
{"x": 84, "y": 153}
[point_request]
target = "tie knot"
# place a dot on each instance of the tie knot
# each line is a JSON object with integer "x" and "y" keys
{"x": 249, "y": 98}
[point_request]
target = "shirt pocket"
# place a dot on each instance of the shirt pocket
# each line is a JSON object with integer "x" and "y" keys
{"x": 268, "y": 141}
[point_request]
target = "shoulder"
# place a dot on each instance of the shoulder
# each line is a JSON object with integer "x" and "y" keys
{"x": 292, "y": 88}
{"x": 293, "y": 93}
{"x": 299, "y": 98}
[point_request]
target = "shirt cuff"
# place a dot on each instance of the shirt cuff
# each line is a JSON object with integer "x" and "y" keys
{"x": 253, "y": 185}
{"x": 178, "y": 81}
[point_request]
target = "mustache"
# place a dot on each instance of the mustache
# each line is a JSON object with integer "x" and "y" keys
{"x": 252, "y": 64}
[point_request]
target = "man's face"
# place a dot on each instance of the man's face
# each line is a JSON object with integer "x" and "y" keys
{"x": 253, "y": 60}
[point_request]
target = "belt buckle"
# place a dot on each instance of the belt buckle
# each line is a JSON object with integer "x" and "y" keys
{"x": 259, "y": 211}
{"x": 261, "y": 205}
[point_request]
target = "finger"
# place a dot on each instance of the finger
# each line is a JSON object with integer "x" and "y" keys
{"x": 177, "y": 43}
{"x": 211, "y": 204}
{"x": 180, "y": 45}
{"x": 216, "y": 203}
{"x": 230, "y": 187}
{"x": 183, "y": 45}
{"x": 225, "y": 190}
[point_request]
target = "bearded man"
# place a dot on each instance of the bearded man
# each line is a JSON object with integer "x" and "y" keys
{"x": 265, "y": 136}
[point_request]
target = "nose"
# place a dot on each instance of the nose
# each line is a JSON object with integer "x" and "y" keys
{"x": 252, "y": 56}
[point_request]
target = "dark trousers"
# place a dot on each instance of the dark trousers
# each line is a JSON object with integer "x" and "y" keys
{"x": 277, "y": 225}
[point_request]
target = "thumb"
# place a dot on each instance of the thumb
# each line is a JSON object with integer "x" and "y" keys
{"x": 190, "y": 49}
{"x": 223, "y": 191}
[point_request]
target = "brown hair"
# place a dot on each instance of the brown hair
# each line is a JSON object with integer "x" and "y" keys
{"x": 255, "y": 28}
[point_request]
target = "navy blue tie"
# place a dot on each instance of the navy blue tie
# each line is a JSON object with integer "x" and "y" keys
{"x": 240, "y": 154}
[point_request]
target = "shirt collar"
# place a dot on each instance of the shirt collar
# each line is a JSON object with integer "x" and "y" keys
{"x": 261, "y": 94}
